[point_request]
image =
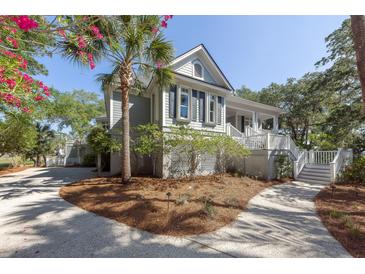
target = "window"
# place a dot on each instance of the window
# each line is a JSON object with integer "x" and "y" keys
{"x": 211, "y": 108}
{"x": 194, "y": 105}
{"x": 172, "y": 101}
{"x": 201, "y": 106}
{"x": 198, "y": 70}
{"x": 184, "y": 103}
{"x": 220, "y": 110}
{"x": 153, "y": 108}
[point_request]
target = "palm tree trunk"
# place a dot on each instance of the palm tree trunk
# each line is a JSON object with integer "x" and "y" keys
{"x": 358, "y": 33}
{"x": 126, "y": 80}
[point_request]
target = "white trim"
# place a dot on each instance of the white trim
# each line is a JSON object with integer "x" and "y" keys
{"x": 236, "y": 99}
{"x": 111, "y": 110}
{"x": 163, "y": 102}
{"x": 212, "y": 63}
{"x": 178, "y": 103}
{"x": 195, "y": 81}
{"x": 207, "y": 109}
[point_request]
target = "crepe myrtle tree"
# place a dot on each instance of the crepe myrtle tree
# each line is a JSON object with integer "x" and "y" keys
{"x": 23, "y": 38}
{"x": 192, "y": 143}
{"x": 101, "y": 142}
{"x": 137, "y": 50}
{"x": 149, "y": 142}
{"x": 227, "y": 148}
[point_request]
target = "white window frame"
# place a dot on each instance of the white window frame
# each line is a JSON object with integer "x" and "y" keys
{"x": 207, "y": 113}
{"x": 196, "y": 62}
{"x": 178, "y": 110}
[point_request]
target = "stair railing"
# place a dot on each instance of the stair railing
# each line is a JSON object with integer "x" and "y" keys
{"x": 300, "y": 162}
{"x": 343, "y": 157}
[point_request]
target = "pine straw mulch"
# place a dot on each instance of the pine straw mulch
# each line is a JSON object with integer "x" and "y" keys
{"x": 8, "y": 170}
{"x": 195, "y": 206}
{"x": 344, "y": 216}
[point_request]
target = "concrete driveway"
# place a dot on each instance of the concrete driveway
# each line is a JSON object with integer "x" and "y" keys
{"x": 36, "y": 222}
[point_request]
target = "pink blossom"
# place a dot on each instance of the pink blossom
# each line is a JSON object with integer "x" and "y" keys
{"x": 24, "y": 22}
{"x": 62, "y": 33}
{"x": 46, "y": 91}
{"x": 25, "y": 109}
{"x": 81, "y": 42}
{"x": 13, "y": 42}
{"x": 154, "y": 30}
{"x": 164, "y": 24}
{"x": 40, "y": 84}
{"x": 91, "y": 60}
{"x": 96, "y": 32}
{"x": 38, "y": 98}
{"x": 28, "y": 79}
{"x": 167, "y": 17}
{"x": 11, "y": 83}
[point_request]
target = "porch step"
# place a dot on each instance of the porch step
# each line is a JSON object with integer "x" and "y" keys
{"x": 312, "y": 173}
{"x": 315, "y": 181}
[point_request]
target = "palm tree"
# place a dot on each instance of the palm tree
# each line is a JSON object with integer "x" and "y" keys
{"x": 137, "y": 51}
{"x": 43, "y": 143}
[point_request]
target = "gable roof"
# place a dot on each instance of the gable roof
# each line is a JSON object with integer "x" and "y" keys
{"x": 202, "y": 48}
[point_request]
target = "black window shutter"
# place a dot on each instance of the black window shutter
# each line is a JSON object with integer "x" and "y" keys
{"x": 172, "y": 101}
{"x": 201, "y": 106}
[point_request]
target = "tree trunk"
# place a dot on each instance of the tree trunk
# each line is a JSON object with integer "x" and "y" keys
{"x": 37, "y": 160}
{"x": 358, "y": 31}
{"x": 98, "y": 164}
{"x": 126, "y": 80}
{"x": 45, "y": 160}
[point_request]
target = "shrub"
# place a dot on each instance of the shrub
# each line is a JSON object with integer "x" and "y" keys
{"x": 284, "y": 167}
{"x": 354, "y": 173}
{"x": 183, "y": 199}
{"x": 227, "y": 148}
{"x": 190, "y": 142}
{"x": 336, "y": 214}
{"x": 208, "y": 207}
{"x": 89, "y": 160}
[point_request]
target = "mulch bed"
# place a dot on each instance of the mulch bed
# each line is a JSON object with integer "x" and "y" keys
{"x": 195, "y": 206}
{"x": 344, "y": 216}
{"x": 9, "y": 170}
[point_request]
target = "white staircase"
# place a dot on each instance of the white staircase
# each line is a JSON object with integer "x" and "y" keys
{"x": 309, "y": 166}
{"x": 315, "y": 173}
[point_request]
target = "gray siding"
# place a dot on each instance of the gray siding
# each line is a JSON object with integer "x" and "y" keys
{"x": 139, "y": 110}
{"x": 187, "y": 69}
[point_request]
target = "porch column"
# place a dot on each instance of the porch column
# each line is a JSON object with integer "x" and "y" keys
{"x": 255, "y": 125}
{"x": 236, "y": 120}
{"x": 276, "y": 124}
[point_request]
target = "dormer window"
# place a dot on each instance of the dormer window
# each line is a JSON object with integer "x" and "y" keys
{"x": 198, "y": 70}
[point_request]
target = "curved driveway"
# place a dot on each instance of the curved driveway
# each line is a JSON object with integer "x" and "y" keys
{"x": 36, "y": 222}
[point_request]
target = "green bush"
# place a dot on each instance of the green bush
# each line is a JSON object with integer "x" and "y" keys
{"x": 354, "y": 173}
{"x": 89, "y": 160}
{"x": 284, "y": 167}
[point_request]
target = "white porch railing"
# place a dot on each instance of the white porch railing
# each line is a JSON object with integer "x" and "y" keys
{"x": 232, "y": 131}
{"x": 320, "y": 157}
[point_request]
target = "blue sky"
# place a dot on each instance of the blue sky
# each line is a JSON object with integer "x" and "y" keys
{"x": 251, "y": 50}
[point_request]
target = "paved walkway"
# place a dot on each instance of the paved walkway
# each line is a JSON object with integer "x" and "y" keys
{"x": 36, "y": 222}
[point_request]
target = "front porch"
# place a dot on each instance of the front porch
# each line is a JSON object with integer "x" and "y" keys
{"x": 251, "y": 118}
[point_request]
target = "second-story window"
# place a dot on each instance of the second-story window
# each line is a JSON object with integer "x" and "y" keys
{"x": 211, "y": 108}
{"x": 184, "y": 103}
{"x": 198, "y": 70}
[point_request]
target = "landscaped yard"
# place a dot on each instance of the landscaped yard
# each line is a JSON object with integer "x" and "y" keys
{"x": 172, "y": 207}
{"x": 344, "y": 216}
